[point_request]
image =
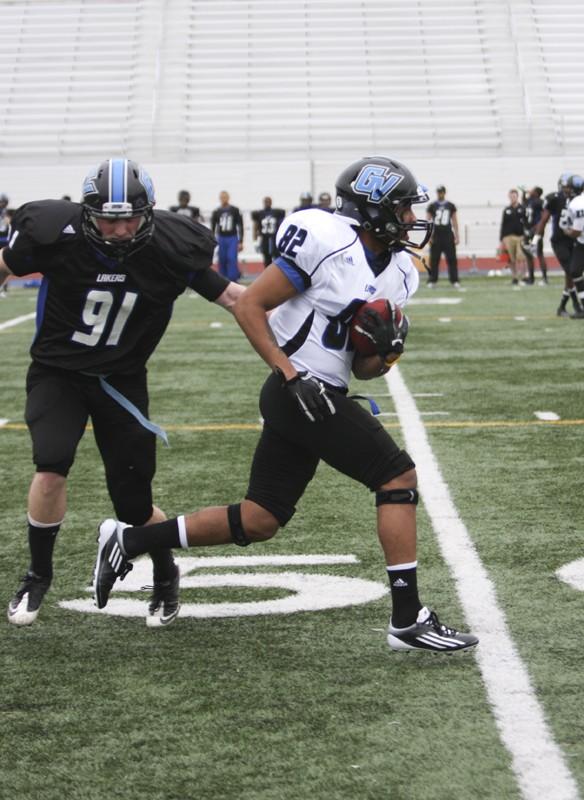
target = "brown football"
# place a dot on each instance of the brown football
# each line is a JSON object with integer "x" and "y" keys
{"x": 361, "y": 342}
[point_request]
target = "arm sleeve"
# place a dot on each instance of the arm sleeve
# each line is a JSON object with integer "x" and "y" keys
{"x": 208, "y": 283}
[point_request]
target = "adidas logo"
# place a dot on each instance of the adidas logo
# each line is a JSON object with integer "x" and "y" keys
{"x": 69, "y": 229}
{"x": 399, "y": 584}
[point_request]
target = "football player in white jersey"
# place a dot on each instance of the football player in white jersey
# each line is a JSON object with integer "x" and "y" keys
{"x": 328, "y": 266}
{"x": 572, "y": 224}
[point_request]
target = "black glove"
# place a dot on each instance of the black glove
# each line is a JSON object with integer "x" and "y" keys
{"x": 388, "y": 336}
{"x": 310, "y": 394}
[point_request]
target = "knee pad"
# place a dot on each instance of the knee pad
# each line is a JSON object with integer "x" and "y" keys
{"x": 238, "y": 535}
{"x": 399, "y": 496}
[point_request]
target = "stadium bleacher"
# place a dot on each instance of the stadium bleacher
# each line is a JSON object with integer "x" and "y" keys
{"x": 203, "y": 90}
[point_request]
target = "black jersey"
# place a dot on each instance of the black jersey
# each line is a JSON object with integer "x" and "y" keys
{"x": 441, "y": 212}
{"x": 512, "y": 221}
{"x": 268, "y": 221}
{"x": 191, "y": 212}
{"x": 533, "y": 212}
{"x": 98, "y": 315}
{"x": 227, "y": 221}
{"x": 555, "y": 203}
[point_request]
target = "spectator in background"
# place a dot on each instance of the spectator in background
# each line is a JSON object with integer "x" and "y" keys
{"x": 227, "y": 225}
{"x": 554, "y": 208}
{"x": 513, "y": 224}
{"x": 444, "y": 238}
{"x": 305, "y": 202}
{"x": 66, "y": 197}
{"x": 266, "y": 222}
{"x": 324, "y": 202}
{"x": 185, "y": 209}
{"x": 533, "y": 210}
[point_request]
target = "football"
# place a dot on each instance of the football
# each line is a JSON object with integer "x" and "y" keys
{"x": 361, "y": 341}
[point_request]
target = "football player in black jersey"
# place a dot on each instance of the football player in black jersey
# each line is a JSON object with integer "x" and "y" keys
{"x": 266, "y": 222}
{"x": 444, "y": 238}
{"x": 305, "y": 202}
{"x": 185, "y": 208}
{"x": 554, "y": 208}
{"x": 533, "y": 205}
{"x": 112, "y": 268}
{"x": 227, "y": 225}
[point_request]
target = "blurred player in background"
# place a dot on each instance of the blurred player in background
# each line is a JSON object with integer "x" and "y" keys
{"x": 112, "y": 269}
{"x": 266, "y": 222}
{"x": 5, "y": 218}
{"x": 227, "y": 225}
{"x": 554, "y": 208}
{"x": 325, "y": 203}
{"x": 328, "y": 266}
{"x": 444, "y": 238}
{"x": 573, "y": 226}
{"x": 305, "y": 202}
{"x": 533, "y": 205}
{"x": 185, "y": 208}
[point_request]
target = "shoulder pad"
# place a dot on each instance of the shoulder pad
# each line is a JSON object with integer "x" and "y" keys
{"x": 180, "y": 236}
{"x": 45, "y": 221}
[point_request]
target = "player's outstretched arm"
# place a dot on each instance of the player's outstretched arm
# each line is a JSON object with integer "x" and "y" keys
{"x": 269, "y": 290}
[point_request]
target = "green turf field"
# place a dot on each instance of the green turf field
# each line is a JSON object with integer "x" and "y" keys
{"x": 309, "y": 705}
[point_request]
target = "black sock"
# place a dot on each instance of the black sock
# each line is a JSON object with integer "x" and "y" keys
{"x": 41, "y": 541}
{"x": 163, "y": 563}
{"x": 145, "y": 538}
{"x": 564, "y": 300}
{"x": 575, "y": 301}
{"x": 404, "y": 594}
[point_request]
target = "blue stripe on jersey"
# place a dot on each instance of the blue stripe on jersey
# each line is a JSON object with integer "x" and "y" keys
{"x": 41, "y": 301}
{"x": 117, "y": 179}
{"x": 292, "y": 274}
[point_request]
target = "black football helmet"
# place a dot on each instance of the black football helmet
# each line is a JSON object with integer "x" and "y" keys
{"x": 370, "y": 190}
{"x": 574, "y": 185}
{"x": 117, "y": 189}
{"x": 563, "y": 181}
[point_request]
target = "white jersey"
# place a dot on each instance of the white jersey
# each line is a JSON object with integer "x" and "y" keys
{"x": 322, "y": 256}
{"x": 576, "y": 212}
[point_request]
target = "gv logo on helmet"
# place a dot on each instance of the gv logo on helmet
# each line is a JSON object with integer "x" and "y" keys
{"x": 376, "y": 182}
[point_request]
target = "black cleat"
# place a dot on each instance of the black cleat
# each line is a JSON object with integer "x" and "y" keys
{"x": 111, "y": 561}
{"x": 578, "y": 314}
{"x": 24, "y": 607}
{"x": 429, "y": 634}
{"x": 164, "y": 606}
{"x": 561, "y": 312}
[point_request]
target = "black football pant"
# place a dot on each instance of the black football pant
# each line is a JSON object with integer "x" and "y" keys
{"x": 290, "y": 448}
{"x": 443, "y": 243}
{"x": 58, "y": 406}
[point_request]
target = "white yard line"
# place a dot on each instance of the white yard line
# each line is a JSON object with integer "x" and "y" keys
{"x": 537, "y": 760}
{"x": 16, "y": 321}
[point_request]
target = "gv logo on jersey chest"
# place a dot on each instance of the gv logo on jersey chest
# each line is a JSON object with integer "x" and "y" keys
{"x": 376, "y": 182}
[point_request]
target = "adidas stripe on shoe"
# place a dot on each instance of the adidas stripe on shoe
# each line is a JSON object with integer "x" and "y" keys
{"x": 429, "y": 634}
{"x": 111, "y": 562}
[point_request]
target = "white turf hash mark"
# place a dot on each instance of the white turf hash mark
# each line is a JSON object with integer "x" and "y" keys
{"x": 16, "y": 321}
{"x": 547, "y": 416}
{"x": 537, "y": 760}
